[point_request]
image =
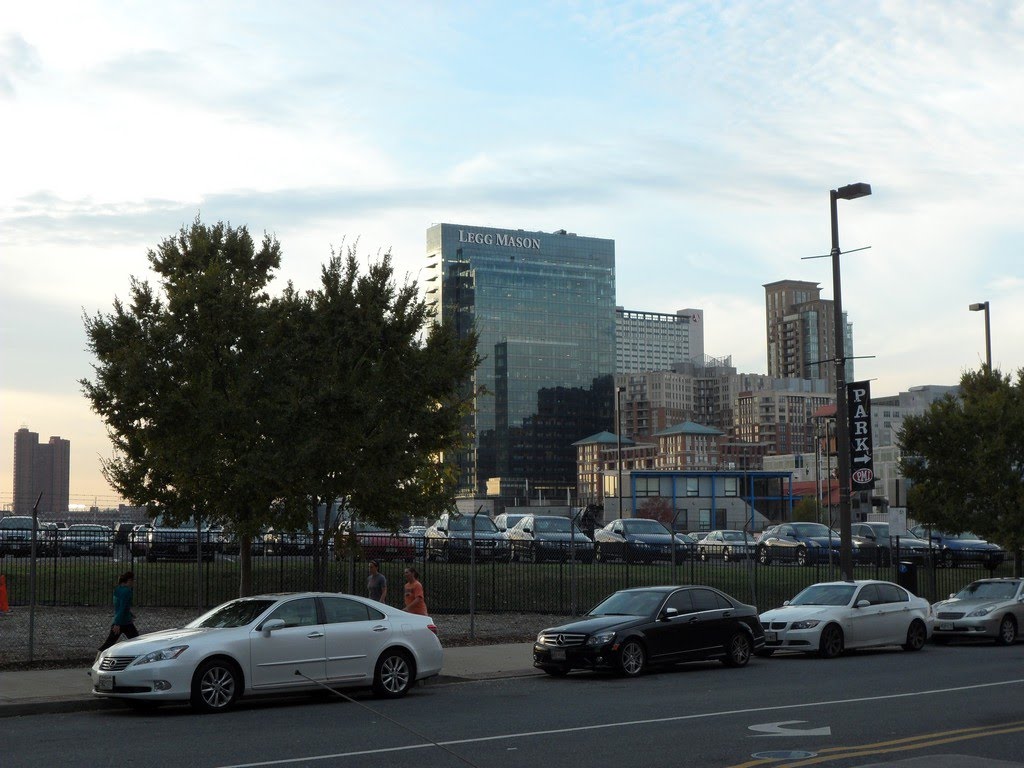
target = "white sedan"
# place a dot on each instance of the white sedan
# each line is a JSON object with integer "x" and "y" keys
{"x": 829, "y": 618}
{"x": 272, "y": 644}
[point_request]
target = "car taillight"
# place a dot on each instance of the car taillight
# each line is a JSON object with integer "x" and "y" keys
{"x": 432, "y": 628}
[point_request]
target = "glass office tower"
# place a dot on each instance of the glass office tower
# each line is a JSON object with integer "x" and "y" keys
{"x": 543, "y": 305}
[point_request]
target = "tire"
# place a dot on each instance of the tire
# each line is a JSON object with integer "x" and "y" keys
{"x": 703, "y": 554}
{"x": 946, "y": 560}
{"x": 632, "y": 658}
{"x": 1007, "y": 631}
{"x": 738, "y": 650}
{"x": 831, "y": 643}
{"x": 763, "y": 557}
{"x": 917, "y": 636}
{"x": 216, "y": 686}
{"x": 598, "y": 555}
{"x": 801, "y": 557}
{"x": 726, "y": 555}
{"x": 394, "y": 674}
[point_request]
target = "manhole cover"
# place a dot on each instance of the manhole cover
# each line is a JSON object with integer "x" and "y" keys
{"x": 783, "y": 754}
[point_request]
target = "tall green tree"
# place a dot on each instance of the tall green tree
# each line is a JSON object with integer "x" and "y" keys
{"x": 181, "y": 382}
{"x": 965, "y": 459}
{"x": 377, "y": 393}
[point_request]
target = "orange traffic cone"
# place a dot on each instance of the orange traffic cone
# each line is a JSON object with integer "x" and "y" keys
{"x": 4, "y": 607}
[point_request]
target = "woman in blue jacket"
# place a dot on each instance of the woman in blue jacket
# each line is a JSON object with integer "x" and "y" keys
{"x": 124, "y": 620}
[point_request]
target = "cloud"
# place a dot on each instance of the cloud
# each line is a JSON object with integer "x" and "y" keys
{"x": 18, "y": 60}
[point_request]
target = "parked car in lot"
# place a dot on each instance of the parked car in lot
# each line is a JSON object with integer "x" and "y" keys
{"x": 640, "y": 540}
{"x": 256, "y": 645}
{"x": 808, "y": 544}
{"x": 989, "y": 608}
{"x": 418, "y": 535}
{"x": 166, "y": 542}
{"x": 84, "y": 539}
{"x": 122, "y": 533}
{"x": 16, "y": 535}
{"x": 450, "y": 538}
{"x": 911, "y": 548}
{"x": 376, "y": 543}
{"x": 634, "y": 629}
{"x": 507, "y": 520}
{"x": 831, "y": 617}
{"x": 727, "y": 545}
{"x": 536, "y": 538}
{"x": 278, "y": 542}
{"x": 138, "y": 539}
{"x": 961, "y": 548}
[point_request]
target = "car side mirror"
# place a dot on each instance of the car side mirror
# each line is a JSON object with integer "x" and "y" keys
{"x": 785, "y": 602}
{"x": 270, "y": 626}
{"x": 862, "y": 604}
{"x": 668, "y": 613}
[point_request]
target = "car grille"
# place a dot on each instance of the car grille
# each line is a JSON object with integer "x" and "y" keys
{"x": 777, "y": 625}
{"x": 562, "y": 639}
{"x": 116, "y": 663}
{"x": 950, "y": 615}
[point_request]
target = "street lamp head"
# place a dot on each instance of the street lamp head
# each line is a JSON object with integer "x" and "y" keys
{"x": 978, "y": 307}
{"x": 852, "y": 191}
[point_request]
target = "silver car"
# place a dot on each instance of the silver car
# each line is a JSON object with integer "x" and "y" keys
{"x": 992, "y": 608}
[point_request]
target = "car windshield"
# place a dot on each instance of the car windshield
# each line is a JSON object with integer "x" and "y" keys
{"x": 988, "y": 590}
{"x": 812, "y": 530}
{"x": 237, "y": 613}
{"x": 644, "y": 527}
{"x": 737, "y": 536}
{"x": 553, "y": 525}
{"x": 465, "y": 524}
{"x": 881, "y": 530}
{"x": 825, "y": 594}
{"x": 630, "y": 603}
{"x": 965, "y": 536}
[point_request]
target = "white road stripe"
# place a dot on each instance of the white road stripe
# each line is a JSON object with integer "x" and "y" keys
{"x": 623, "y": 724}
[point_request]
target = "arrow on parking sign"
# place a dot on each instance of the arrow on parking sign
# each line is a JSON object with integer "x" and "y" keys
{"x": 779, "y": 729}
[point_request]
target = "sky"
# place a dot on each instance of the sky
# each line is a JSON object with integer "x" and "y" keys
{"x": 702, "y": 137}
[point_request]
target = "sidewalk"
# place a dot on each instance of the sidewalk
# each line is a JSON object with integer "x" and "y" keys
{"x": 70, "y": 690}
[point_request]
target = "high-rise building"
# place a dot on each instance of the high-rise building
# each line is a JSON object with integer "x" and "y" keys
{"x": 543, "y": 306}
{"x": 801, "y": 332}
{"x": 655, "y": 341}
{"x": 41, "y": 471}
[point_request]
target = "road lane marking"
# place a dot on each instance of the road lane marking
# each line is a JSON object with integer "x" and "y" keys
{"x": 896, "y": 745}
{"x": 779, "y": 729}
{"x": 626, "y": 724}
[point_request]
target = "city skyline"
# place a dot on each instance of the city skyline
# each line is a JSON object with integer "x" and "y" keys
{"x": 703, "y": 140}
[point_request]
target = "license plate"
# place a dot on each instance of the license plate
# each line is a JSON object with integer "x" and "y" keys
{"x": 558, "y": 655}
{"x": 105, "y": 683}
{"x": 946, "y": 627}
{"x": 771, "y": 637}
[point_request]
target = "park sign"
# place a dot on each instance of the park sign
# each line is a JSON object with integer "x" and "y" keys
{"x": 862, "y": 469}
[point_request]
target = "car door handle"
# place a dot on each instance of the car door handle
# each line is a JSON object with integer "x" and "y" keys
{"x": 315, "y": 635}
{"x": 380, "y": 628}
{"x": 692, "y": 620}
{"x": 727, "y": 613}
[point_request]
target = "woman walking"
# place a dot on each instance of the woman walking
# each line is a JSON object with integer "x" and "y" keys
{"x": 124, "y": 619}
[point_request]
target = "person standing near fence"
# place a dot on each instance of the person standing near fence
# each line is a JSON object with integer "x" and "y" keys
{"x": 414, "y": 602}
{"x": 124, "y": 619}
{"x": 376, "y": 584}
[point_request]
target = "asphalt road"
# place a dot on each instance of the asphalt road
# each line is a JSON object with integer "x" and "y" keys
{"x": 866, "y": 708}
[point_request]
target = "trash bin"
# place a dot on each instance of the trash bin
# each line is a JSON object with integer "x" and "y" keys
{"x": 906, "y": 576}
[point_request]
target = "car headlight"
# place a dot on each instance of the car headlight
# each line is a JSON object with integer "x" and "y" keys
{"x": 601, "y": 638}
{"x": 814, "y": 544}
{"x": 164, "y": 654}
{"x": 808, "y": 624}
{"x": 985, "y": 610}
{"x": 639, "y": 543}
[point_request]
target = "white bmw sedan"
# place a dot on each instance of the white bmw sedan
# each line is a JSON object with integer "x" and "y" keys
{"x": 272, "y": 644}
{"x": 829, "y": 618}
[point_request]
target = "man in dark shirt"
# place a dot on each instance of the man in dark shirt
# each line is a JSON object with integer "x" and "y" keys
{"x": 376, "y": 584}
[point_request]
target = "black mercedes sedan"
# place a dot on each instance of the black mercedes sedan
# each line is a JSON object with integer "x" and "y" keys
{"x": 634, "y": 629}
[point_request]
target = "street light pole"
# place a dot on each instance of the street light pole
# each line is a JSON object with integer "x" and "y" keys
{"x": 988, "y": 335}
{"x": 849, "y": 192}
{"x": 618, "y": 442}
